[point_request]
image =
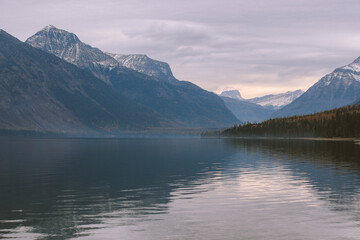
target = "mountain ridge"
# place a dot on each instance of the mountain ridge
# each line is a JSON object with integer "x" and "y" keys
{"x": 41, "y": 92}
{"x": 69, "y": 47}
{"x": 277, "y": 101}
{"x": 144, "y": 64}
{"x": 336, "y": 89}
{"x": 183, "y": 103}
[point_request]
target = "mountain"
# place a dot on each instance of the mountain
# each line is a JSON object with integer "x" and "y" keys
{"x": 256, "y": 109}
{"x": 235, "y": 94}
{"x": 144, "y": 64}
{"x": 41, "y": 92}
{"x": 277, "y": 101}
{"x": 183, "y": 103}
{"x": 71, "y": 49}
{"x": 246, "y": 111}
{"x": 337, "y": 89}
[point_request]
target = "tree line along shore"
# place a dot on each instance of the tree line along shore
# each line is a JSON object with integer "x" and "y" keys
{"x": 337, "y": 123}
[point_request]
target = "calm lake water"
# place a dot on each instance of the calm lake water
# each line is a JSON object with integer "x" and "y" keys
{"x": 186, "y": 188}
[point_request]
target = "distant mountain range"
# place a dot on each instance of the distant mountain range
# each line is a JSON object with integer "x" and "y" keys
{"x": 179, "y": 102}
{"x": 277, "y": 101}
{"x": 337, "y": 89}
{"x": 41, "y": 92}
{"x": 71, "y": 87}
{"x": 256, "y": 109}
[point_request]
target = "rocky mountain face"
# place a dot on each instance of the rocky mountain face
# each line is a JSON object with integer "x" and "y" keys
{"x": 41, "y": 92}
{"x": 337, "y": 89}
{"x": 235, "y": 94}
{"x": 277, "y": 101}
{"x": 182, "y": 103}
{"x": 143, "y": 64}
{"x": 246, "y": 111}
{"x": 67, "y": 46}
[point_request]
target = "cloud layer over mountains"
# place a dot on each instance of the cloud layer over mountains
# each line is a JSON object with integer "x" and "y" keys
{"x": 254, "y": 46}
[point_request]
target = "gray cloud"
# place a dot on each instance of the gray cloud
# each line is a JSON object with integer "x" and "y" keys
{"x": 256, "y": 46}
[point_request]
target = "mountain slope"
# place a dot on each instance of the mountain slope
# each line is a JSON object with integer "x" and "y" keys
{"x": 72, "y": 50}
{"x": 39, "y": 91}
{"x": 182, "y": 103}
{"x": 276, "y": 101}
{"x": 247, "y": 111}
{"x": 337, "y": 89}
{"x": 144, "y": 64}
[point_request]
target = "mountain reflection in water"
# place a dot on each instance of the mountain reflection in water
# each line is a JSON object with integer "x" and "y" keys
{"x": 178, "y": 189}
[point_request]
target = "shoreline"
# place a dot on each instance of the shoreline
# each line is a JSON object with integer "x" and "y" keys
{"x": 355, "y": 140}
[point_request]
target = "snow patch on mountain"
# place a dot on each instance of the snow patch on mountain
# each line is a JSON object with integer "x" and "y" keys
{"x": 143, "y": 64}
{"x": 353, "y": 68}
{"x": 336, "y": 89}
{"x": 68, "y": 46}
{"x": 277, "y": 101}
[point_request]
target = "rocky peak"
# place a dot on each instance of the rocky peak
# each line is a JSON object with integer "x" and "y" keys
{"x": 354, "y": 66}
{"x": 48, "y": 27}
{"x": 51, "y": 33}
{"x": 68, "y": 46}
{"x": 142, "y": 63}
{"x": 345, "y": 75}
{"x": 336, "y": 89}
{"x": 235, "y": 94}
{"x": 357, "y": 60}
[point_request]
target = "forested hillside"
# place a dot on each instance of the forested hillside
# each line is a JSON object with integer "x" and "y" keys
{"x": 340, "y": 122}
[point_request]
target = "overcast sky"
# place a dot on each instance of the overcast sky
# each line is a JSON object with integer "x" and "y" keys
{"x": 255, "y": 46}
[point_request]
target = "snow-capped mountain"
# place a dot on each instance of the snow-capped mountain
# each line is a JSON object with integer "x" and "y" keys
{"x": 68, "y": 46}
{"x": 41, "y": 92}
{"x": 277, "y": 101}
{"x": 183, "y": 103}
{"x": 146, "y": 65}
{"x": 235, "y": 94}
{"x": 337, "y": 89}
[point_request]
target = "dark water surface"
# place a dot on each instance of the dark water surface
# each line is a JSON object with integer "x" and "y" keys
{"x": 179, "y": 189}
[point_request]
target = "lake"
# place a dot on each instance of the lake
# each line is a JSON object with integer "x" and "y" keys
{"x": 179, "y": 188}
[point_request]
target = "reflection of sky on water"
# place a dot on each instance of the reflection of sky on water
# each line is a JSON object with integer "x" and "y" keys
{"x": 176, "y": 189}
